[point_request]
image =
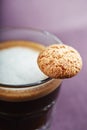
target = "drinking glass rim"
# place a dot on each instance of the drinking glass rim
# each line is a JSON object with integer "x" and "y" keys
{"x": 35, "y": 30}
{"x": 32, "y": 29}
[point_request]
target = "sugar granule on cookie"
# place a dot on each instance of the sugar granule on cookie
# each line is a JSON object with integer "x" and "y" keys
{"x": 60, "y": 61}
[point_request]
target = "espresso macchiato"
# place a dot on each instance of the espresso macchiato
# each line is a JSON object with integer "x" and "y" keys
{"x": 27, "y": 96}
{"x": 18, "y": 63}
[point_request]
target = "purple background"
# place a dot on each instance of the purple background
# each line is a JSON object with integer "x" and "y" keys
{"x": 67, "y": 19}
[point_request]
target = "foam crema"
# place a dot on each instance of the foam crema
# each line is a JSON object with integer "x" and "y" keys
{"x": 18, "y": 67}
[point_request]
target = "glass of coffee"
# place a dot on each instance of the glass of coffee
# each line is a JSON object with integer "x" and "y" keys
{"x": 27, "y": 96}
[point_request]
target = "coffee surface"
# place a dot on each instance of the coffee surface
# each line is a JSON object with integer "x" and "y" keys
{"x": 18, "y": 64}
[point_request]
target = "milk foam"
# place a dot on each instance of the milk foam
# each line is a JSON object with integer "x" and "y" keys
{"x": 18, "y": 65}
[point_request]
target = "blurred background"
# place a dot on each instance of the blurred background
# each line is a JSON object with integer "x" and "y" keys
{"x": 67, "y": 19}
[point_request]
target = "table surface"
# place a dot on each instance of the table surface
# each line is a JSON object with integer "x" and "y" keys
{"x": 68, "y": 21}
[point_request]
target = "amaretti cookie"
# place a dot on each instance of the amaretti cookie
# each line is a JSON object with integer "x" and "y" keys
{"x": 60, "y": 61}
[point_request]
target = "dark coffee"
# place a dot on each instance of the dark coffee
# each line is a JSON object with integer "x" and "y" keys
{"x": 27, "y": 96}
{"x": 28, "y": 115}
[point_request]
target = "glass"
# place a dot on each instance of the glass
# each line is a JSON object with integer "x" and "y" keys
{"x": 28, "y": 106}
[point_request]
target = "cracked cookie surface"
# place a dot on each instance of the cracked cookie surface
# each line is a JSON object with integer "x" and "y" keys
{"x": 60, "y": 61}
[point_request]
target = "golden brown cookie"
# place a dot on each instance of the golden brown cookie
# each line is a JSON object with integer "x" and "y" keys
{"x": 59, "y": 61}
